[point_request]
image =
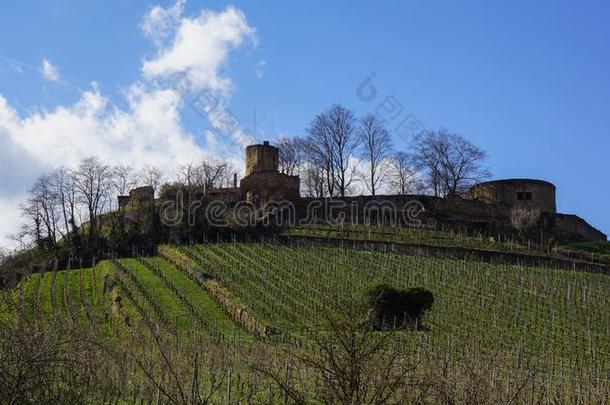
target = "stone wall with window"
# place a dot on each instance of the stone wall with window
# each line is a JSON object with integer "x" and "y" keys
{"x": 535, "y": 194}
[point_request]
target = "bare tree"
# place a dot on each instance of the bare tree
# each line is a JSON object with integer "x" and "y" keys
{"x": 330, "y": 146}
{"x": 125, "y": 179}
{"x": 63, "y": 183}
{"x": 320, "y": 164}
{"x": 350, "y": 362}
{"x": 404, "y": 178}
{"x": 42, "y": 212}
{"x": 212, "y": 173}
{"x": 93, "y": 180}
{"x": 377, "y": 147}
{"x": 451, "y": 163}
{"x": 227, "y": 176}
{"x": 204, "y": 175}
{"x": 524, "y": 218}
{"x": 189, "y": 175}
{"x": 151, "y": 176}
{"x": 313, "y": 181}
{"x": 30, "y": 212}
{"x": 291, "y": 155}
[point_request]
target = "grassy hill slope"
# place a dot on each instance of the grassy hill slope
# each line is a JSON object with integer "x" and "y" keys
{"x": 555, "y": 316}
{"x": 548, "y": 327}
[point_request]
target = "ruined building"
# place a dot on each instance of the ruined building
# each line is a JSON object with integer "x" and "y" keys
{"x": 487, "y": 208}
{"x": 535, "y": 194}
{"x": 263, "y": 181}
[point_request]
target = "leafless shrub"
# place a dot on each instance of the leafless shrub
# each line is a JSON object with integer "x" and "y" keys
{"x": 347, "y": 362}
{"x": 524, "y": 218}
{"x": 50, "y": 362}
{"x": 473, "y": 373}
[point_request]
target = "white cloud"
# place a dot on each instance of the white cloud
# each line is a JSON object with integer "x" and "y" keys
{"x": 220, "y": 117}
{"x": 159, "y": 22}
{"x": 149, "y": 129}
{"x": 200, "y": 48}
{"x": 260, "y": 68}
{"x": 49, "y": 71}
{"x": 10, "y": 220}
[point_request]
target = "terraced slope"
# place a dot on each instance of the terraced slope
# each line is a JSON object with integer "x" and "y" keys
{"x": 205, "y": 308}
{"x": 75, "y": 296}
{"x": 147, "y": 289}
{"x": 433, "y": 237}
{"x": 164, "y": 293}
{"x": 545, "y": 327}
{"x": 557, "y": 319}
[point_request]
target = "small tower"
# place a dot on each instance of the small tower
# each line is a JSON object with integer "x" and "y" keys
{"x": 538, "y": 194}
{"x": 262, "y": 158}
{"x": 264, "y": 182}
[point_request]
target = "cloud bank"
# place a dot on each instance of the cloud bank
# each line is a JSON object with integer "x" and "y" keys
{"x": 149, "y": 130}
{"x": 199, "y": 46}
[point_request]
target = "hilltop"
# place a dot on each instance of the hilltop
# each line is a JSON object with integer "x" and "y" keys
{"x": 232, "y": 294}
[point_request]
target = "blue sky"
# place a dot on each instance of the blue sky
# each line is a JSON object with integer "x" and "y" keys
{"x": 527, "y": 81}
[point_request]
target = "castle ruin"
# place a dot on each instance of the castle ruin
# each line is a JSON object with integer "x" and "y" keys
{"x": 263, "y": 181}
{"x": 487, "y": 208}
{"x": 535, "y": 194}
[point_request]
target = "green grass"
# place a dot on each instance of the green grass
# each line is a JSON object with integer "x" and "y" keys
{"x": 69, "y": 304}
{"x": 102, "y": 298}
{"x": 75, "y": 304}
{"x": 554, "y": 321}
{"x": 520, "y": 311}
{"x": 45, "y": 295}
{"x": 60, "y": 285}
{"x": 214, "y": 315}
{"x": 412, "y": 235}
{"x": 29, "y": 296}
{"x": 172, "y": 308}
{"x": 599, "y": 250}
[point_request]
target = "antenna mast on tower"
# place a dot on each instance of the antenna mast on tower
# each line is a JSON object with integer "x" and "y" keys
{"x": 255, "y": 134}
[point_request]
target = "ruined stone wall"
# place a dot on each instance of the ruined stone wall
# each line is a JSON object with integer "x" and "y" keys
{"x": 263, "y": 186}
{"x": 454, "y": 209}
{"x": 138, "y": 199}
{"x": 574, "y": 225}
{"x": 473, "y": 216}
{"x": 141, "y": 195}
{"x": 123, "y": 201}
{"x": 535, "y": 194}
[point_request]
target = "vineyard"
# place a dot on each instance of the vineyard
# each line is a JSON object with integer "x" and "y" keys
{"x": 434, "y": 237}
{"x": 525, "y": 334}
{"x": 559, "y": 316}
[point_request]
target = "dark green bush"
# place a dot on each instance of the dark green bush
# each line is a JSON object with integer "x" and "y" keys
{"x": 397, "y": 308}
{"x": 109, "y": 283}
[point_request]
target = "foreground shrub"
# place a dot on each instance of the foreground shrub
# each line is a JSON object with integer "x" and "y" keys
{"x": 392, "y": 308}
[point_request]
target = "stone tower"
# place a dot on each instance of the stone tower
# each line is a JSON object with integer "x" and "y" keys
{"x": 530, "y": 193}
{"x": 262, "y": 158}
{"x": 264, "y": 182}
